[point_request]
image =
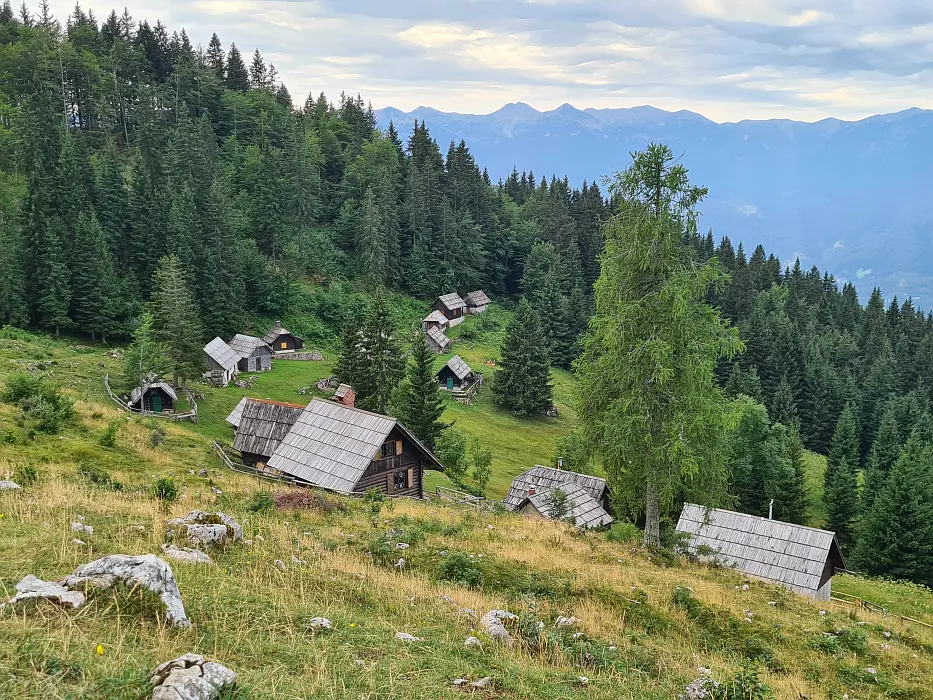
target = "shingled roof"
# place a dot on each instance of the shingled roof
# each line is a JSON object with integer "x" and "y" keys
{"x": 545, "y": 478}
{"x": 451, "y": 301}
{"x": 275, "y": 332}
{"x": 237, "y": 413}
{"x": 331, "y": 445}
{"x": 584, "y": 511}
{"x": 800, "y": 558}
{"x": 245, "y": 345}
{"x": 222, "y": 354}
{"x": 138, "y": 392}
{"x": 477, "y": 298}
{"x": 460, "y": 368}
{"x": 438, "y": 336}
{"x": 264, "y": 424}
{"x": 435, "y": 317}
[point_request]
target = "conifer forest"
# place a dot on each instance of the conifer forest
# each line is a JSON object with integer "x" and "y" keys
{"x": 140, "y": 171}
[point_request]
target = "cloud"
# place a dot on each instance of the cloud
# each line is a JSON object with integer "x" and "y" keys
{"x": 728, "y": 59}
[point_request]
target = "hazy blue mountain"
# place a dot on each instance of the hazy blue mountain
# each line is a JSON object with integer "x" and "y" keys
{"x": 851, "y": 197}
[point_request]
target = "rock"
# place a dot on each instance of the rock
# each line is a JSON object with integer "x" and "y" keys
{"x": 81, "y": 527}
{"x": 190, "y": 677}
{"x": 482, "y": 683}
{"x": 33, "y": 588}
{"x": 9, "y": 486}
{"x": 202, "y": 472}
{"x": 583, "y": 680}
{"x": 401, "y": 545}
{"x": 468, "y": 612}
{"x": 472, "y": 643}
{"x": 490, "y": 527}
{"x": 492, "y": 624}
{"x": 208, "y": 529}
{"x": 77, "y": 541}
{"x": 566, "y": 621}
{"x": 460, "y": 682}
{"x": 577, "y": 635}
{"x": 400, "y": 564}
{"x": 300, "y": 562}
{"x": 320, "y": 623}
{"x": 136, "y": 528}
{"x": 216, "y": 491}
{"x": 145, "y": 571}
{"x": 183, "y": 554}
{"x": 279, "y": 564}
{"x": 405, "y": 637}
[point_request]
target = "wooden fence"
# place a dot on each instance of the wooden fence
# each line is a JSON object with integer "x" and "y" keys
{"x": 462, "y": 498}
{"x": 241, "y": 468}
{"x": 191, "y": 414}
{"x": 857, "y": 603}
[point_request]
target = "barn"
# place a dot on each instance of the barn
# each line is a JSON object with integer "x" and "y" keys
{"x": 580, "y": 508}
{"x": 349, "y": 451}
{"x": 255, "y": 354}
{"x": 540, "y": 479}
{"x": 476, "y": 302}
{"x": 154, "y": 396}
{"x": 437, "y": 341}
{"x": 435, "y": 320}
{"x": 263, "y": 426}
{"x": 451, "y": 307}
{"x": 456, "y": 374}
{"x": 282, "y": 340}
{"x": 802, "y": 559}
{"x": 222, "y": 362}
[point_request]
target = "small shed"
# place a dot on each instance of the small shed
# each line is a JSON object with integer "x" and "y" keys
{"x": 435, "y": 320}
{"x": 255, "y": 354}
{"x": 282, "y": 340}
{"x": 263, "y": 425}
{"x": 345, "y": 395}
{"x": 580, "y": 508}
{"x": 154, "y": 396}
{"x": 476, "y": 302}
{"x": 437, "y": 340}
{"x": 451, "y": 307}
{"x": 456, "y": 374}
{"x": 541, "y": 479}
{"x": 802, "y": 559}
{"x": 222, "y": 362}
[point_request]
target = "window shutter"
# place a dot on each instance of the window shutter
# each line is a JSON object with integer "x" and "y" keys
{"x": 410, "y": 480}
{"x": 398, "y": 448}
{"x": 388, "y": 483}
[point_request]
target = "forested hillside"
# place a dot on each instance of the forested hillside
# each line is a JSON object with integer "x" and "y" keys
{"x": 133, "y": 164}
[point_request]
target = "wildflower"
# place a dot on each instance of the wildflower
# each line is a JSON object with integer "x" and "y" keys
{"x": 100, "y": 650}
{"x": 822, "y": 613}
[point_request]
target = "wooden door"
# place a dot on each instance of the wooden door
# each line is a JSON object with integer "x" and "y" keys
{"x": 156, "y": 403}
{"x": 450, "y": 383}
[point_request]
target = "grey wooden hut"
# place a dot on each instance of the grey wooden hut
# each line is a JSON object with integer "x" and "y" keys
{"x": 476, "y": 302}
{"x": 437, "y": 340}
{"x": 263, "y": 426}
{"x": 255, "y": 353}
{"x": 349, "y": 451}
{"x": 542, "y": 479}
{"x": 583, "y": 510}
{"x": 155, "y": 396}
{"x": 435, "y": 319}
{"x": 802, "y": 559}
{"x": 222, "y": 362}
{"x": 456, "y": 374}
{"x": 451, "y": 306}
{"x": 282, "y": 340}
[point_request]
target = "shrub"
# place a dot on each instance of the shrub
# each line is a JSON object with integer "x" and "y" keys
{"x": 26, "y": 475}
{"x": 458, "y": 568}
{"x": 156, "y": 433}
{"x": 42, "y": 407}
{"x": 98, "y": 476}
{"x": 165, "y": 489}
{"x": 375, "y": 499}
{"x": 308, "y": 500}
{"x": 745, "y": 685}
{"x": 624, "y": 533}
{"x": 451, "y": 450}
{"x": 261, "y": 502}
{"x": 109, "y": 438}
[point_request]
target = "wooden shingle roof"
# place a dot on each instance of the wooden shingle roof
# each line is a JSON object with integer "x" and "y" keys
{"x": 584, "y": 511}
{"x": 246, "y": 345}
{"x": 331, "y": 445}
{"x": 342, "y": 391}
{"x": 800, "y": 558}
{"x": 235, "y": 415}
{"x": 477, "y": 298}
{"x": 275, "y": 332}
{"x": 451, "y": 301}
{"x": 438, "y": 336}
{"x": 264, "y": 424}
{"x": 460, "y": 368}
{"x": 222, "y": 354}
{"x": 545, "y": 478}
{"x": 435, "y": 317}
{"x": 138, "y": 392}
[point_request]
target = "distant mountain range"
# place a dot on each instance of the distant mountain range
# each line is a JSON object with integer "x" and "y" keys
{"x": 854, "y": 198}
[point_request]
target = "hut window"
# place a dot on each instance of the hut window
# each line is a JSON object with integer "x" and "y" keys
{"x": 387, "y": 450}
{"x": 401, "y": 480}
{"x": 283, "y": 345}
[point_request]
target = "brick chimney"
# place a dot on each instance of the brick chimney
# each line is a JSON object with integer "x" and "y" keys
{"x": 349, "y": 398}
{"x": 531, "y": 492}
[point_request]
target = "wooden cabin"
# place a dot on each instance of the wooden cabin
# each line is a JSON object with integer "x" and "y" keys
{"x": 802, "y": 559}
{"x": 255, "y": 354}
{"x": 435, "y": 320}
{"x": 476, "y": 302}
{"x": 154, "y": 396}
{"x": 349, "y": 450}
{"x": 451, "y": 307}
{"x": 456, "y": 374}
{"x": 582, "y": 509}
{"x": 262, "y": 426}
{"x": 282, "y": 340}
{"x": 222, "y": 362}
{"x": 437, "y": 341}
{"x": 540, "y": 480}
{"x": 345, "y": 395}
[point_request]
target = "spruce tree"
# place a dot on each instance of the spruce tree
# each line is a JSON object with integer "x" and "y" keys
{"x": 54, "y": 297}
{"x": 258, "y": 73}
{"x": 743, "y": 382}
{"x": 176, "y": 320}
{"x": 885, "y": 451}
{"x": 95, "y": 302}
{"x": 237, "y": 76}
{"x": 371, "y": 242}
{"x": 841, "y": 478}
{"x": 784, "y": 405}
{"x": 792, "y": 499}
{"x": 522, "y": 382}
{"x": 215, "y": 57}
{"x": 422, "y": 405}
{"x": 145, "y": 356}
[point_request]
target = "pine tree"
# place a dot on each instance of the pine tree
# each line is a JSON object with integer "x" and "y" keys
{"x": 793, "y": 501}
{"x": 176, "y": 320}
{"x": 885, "y": 451}
{"x": 784, "y": 405}
{"x": 841, "y": 478}
{"x": 237, "y": 76}
{"x": 216, "y": 58}
{"x": 258, "y": 73}
{"x": 421, "y": 407}
{"x": 743, "y": 382}
{"x": 95, "y": 303}
{"x": 145, "y": 356}
{"x": 54, "y": 297}
{"x": 522, "y": 382}
{"x": 371, "y": 241}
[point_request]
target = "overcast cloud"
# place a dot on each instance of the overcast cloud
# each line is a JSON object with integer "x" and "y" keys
{"x": 727, "y": 59}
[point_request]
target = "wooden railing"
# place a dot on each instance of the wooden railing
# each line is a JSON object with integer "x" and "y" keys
{"x": 191, "y": 414}
{"x": 862, "y": 604}
{"x": 241, "y": 468}
{"x": 461, "y": 497}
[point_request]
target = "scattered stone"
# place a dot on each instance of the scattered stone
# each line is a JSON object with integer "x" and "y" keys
{"x": 744, "y": 586}
{"x": 77, "y": 541}
{"x": 6, "y": 485}
{"x": 566, "y": 621}
{"x": 577, "y": 635}
{"x": 216, "y": 491}
{"x": 208, "y": 529}
{"x": 772, "y": 602}
{"x": 460, "y": 682}
{"x": 405, "y": 637}
{"x": 136, "y": 528}
{"x": 482, "y": 683}
{"x": 468, "y": 612}
{"x": 190, "y": 677}
{"x": 822, "y": 612}
{"x": 202, "y": 472}
{"x": 446, "y": 598}
{"x": 583, "y": 680}
{"x": 472, "y": 643}
{"x": 887, "y": 635}
{"x": 490, "y": 527}
{"x": 33, "y": 588}
{"x": 613, "y": 647}
{"x": 320, "y": 623}
{"x": 260, "y": 538}
{"x": 300, "y": 562}
{"x": 885, "y": 646}
{"x": 279, "y": 564}
{"x": 81, "y": 527}
{"x": 400, "y": 564}
{"x": 872, "y": 671}
{"x": 493, "y": 624}
{"x": 401, "y": 545}
{"x": 184, "y": 554}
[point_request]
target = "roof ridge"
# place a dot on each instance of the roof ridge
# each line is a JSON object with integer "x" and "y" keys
{"x": 761, "y": 517}
{"x": 276, "y": 403}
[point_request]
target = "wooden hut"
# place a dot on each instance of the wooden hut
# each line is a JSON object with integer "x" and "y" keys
{"x": 802, "y": 559}
{"x": 263, "y": 425}
{"x": 580, "y": 508}
{"x": 255, "y": 354}
{"x": 155, "y": 396}
{"x": 456, "y": 374}
{"x": 282, "y": 340}
{"x": 476, "y": 302}
{"x": 435, "y": 320}
{"x": 451, "y": 307}
{"x": 345, "y": 395}
{"x": 543, "y": 479}
{"x": 349, "y": 450}
{"x": 437, "y": 340}
{"x": 222, "y": 362}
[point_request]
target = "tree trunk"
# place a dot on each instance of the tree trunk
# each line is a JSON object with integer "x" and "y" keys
{"x": 652, "y": 514}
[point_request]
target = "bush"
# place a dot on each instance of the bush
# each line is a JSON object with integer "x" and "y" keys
{"x": 156, "y": 433}
{"x": 109, "y": 438}
{"x": 308, "y": 500}
{"x": 26, "y": 475}
{"x": 97, "y": 476}
{"x": 261, "y": 502}
{"x": 745, "y": 685}
{"x": 165, "y": 489}
{"x": 451, "y": 450}
{"x": 624, "y": 533}
{"x": 458, "y": 568}
{"x": 42, "y": 407}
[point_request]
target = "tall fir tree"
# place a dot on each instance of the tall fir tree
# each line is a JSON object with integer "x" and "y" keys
{"x": 95, "y": 300}
{"x": 54, "y": 299}
{"x": 421, "y": 405}
{"x": 841, "y": 479}
{"x": 237, "y": 76}
{"x": 176, "y": 319}
{"x": 523, "y": 379}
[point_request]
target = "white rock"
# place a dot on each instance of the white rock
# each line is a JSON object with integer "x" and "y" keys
{"x": 77, "y": 541}
{"x": 320, "y": 623}
{"x": 472, "y": 643}
{"x": 81, "y": 527}
{"x": 279, "y": 564}
{"x": 872, "y": 671}
{"x": 772, "y": 602}
{"x": 566, "y": 621}
{"x": 296, "y": 560}
{"x": 190, "y": 677}
{"x": 32, "y": 588}
{"x": 460, "y": 682}
{"x": 490, "y": 527}
{"x": 216, "y": 491}
{"x": 79, "y": 518}
{"x": 199, "y": 529}
{"x": 612, "y": 647}
{"x": 492, "y": 623}
{"x": 405, "y": 637}
{"x": 744, "y": 586}
{"x": 184, "y": 554}
{"x": 400, "y": 564}
{"x": 6, "y": 485}
{"x": 401, "y": 545}
{"x": 583, "y": 680}
{"x": 822, "y": 612}
{"x": 482, "y": 683}
{"x": 576, "y": 635}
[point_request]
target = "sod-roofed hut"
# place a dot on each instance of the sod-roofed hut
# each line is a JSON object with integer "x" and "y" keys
{"x": 349, "y": 450}
{"x": 263, "y": 426}
{"x": 255, "y": 354}
{"x": 476, "y": 302}
{"x": 570, "y": 502}
{"x": 282, "y": 340}
{"x": 456, "y": 374}
{"x": 222, "y": 362}
{"x": 155, "y": 396}
{"x": 802, "y": 559}
{"x": 451, "y": 307}
{"x": 437, "y": 340}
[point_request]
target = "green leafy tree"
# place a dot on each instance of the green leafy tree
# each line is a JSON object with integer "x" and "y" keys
{"x": 522, "y": 382}
{"x": 421, "y": 406}
{"x": 481, "y": 458}
{"x": 451, "y": 450}
{"x": 145, "y": 356}
{"x": 176, "y": 319}
{"x": 649, "y": 405}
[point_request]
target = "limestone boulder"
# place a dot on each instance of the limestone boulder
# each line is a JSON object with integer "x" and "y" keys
{"x": 190, "y": 677}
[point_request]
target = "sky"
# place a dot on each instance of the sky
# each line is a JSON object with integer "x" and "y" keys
{"x": 726, "y": 59}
